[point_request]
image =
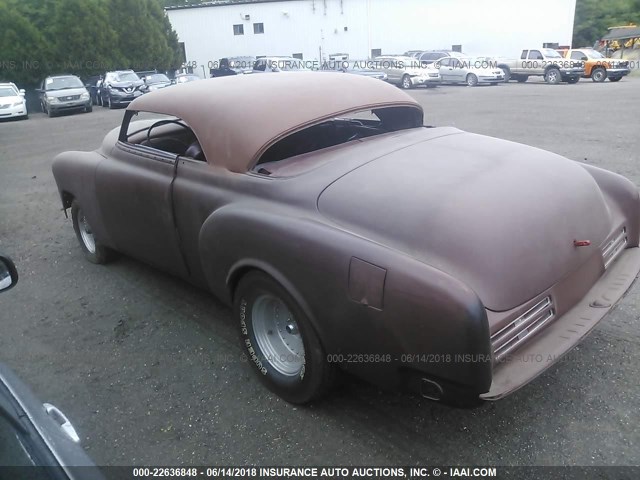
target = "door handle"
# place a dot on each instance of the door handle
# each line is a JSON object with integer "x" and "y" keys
{"x": 61, "y": 419}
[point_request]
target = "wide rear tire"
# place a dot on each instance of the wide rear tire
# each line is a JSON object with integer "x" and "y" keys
{"x": 280, "y": 342}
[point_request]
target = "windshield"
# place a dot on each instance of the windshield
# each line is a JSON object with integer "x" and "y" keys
{"x": 127, "y": 77}
{"x": 594, "y": 54}
{"x": 158, "y": 78}
{"x": 550, "y": 53}
{"x": 7, "y": 92}
{"x": 61, "y": 83}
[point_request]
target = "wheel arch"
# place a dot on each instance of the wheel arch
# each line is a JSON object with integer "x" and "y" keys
{"x": 247, "y": 265}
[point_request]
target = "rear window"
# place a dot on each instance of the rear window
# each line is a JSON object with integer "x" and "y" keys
{"x": 357, "y": 125}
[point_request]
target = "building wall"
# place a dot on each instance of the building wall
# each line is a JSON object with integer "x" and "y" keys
{"x": 355, "y": 27}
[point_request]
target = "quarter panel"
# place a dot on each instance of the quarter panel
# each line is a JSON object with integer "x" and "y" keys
{"x": 425, "y": 311}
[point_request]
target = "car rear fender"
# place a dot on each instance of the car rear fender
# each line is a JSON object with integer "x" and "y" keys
{"x": 622, "y": 198}
{"x": 421, "y": 310}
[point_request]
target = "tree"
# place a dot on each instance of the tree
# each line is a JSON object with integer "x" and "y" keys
{"x": 594, "y": 17}
{"x": 83, "y": 37}
{"x": 22, "y": 54}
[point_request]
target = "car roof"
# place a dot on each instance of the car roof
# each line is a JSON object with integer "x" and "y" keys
{"x": 237, "y": 118}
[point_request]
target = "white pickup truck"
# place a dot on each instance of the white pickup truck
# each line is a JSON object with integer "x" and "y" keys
{"x": 543, "y": 62}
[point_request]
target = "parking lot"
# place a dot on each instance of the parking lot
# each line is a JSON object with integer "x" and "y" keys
{"x": 149, "y": 369}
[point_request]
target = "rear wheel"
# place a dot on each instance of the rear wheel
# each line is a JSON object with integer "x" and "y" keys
{"x": 280, "y": 341}
{"x": 573, "y": 80}
{"x": 93, "y": 250}
{"x": 472, "y": 80}
{"x": 406, "y": 82}
{"x": 599, "y": 75}
{"x": 552, "y": 77}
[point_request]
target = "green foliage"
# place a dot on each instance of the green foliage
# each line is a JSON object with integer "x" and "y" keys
{"x": 83, "y": 37}
{"x": 594, "y": 17}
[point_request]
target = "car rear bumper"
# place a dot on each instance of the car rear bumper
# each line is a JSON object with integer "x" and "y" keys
{"x": 564, "y": 333}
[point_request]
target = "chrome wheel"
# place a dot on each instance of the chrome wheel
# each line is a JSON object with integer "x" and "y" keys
{"x": 86, "y": 233}
{"x": 472, "y": 80}
{"x": 406, "y": 82}
{"x": 277, "y": 335}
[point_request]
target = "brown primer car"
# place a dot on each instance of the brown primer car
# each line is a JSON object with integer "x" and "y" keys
{"x": 428, "y": 259}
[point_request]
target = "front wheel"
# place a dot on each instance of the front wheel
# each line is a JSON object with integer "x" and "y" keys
{"x": 472, "y": 80}
{"x": 552, "y": 77}
{"x": 93, "y": 250}
{"x": 406, "y": 82}
{"x": 599, "y": 75}
{"x": 279, "y": 340}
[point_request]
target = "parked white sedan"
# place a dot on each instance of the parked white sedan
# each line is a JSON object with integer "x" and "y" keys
{"x": 12, "y": 102}
{"x": 407, "y": 72}
{"x": 472, "y": 71}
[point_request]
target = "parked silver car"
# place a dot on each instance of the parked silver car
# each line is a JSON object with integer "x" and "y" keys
{"x": 63, "y": 93}
{"x": 407, "y": 72}
{"x": 472, "y": 71}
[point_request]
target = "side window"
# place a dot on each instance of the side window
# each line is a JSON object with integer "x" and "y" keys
{"x": 224, "y": 63}
{"x": 260, "y": 65}
{"x": 524, "y": 54}
{"x": 576, "y": 55}
{"x": 535, "y": 55}
{"x": 455, "y": 63}
{"x": 165, "y": 133}
{"x": 446, "y": 62}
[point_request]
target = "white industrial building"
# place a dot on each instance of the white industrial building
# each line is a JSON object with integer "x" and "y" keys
{"x": 315, "y": 29}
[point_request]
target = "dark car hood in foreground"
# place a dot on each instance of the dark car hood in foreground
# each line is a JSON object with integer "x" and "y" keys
{"x": 498, "y": 215}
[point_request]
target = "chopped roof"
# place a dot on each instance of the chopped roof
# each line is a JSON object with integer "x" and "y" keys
{"x": 237, "y": 118}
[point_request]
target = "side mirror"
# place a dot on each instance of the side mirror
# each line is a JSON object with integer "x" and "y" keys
{"x": 8, "y": 274}
{"x": 584, "y": 58}
{"x": 22, "y": 92}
